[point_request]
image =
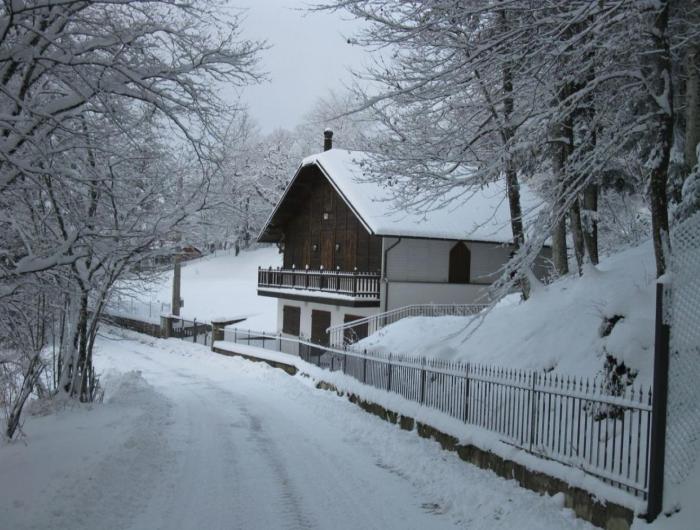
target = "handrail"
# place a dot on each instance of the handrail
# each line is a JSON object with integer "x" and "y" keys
{"x": 347, "y": 283}
{"x": 378, "y": 321}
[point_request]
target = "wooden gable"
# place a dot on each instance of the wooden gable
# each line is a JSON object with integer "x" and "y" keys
{"x": 318, "y": 228}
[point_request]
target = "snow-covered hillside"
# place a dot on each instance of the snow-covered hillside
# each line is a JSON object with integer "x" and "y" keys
{"x": 222, "y": 286}
{"x": 560, "y": 327}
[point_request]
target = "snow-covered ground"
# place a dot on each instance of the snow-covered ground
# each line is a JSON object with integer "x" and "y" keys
{"x": 559, "y": 327}
{"x": 222, "y": 285}
{"x": 190, "y": 439}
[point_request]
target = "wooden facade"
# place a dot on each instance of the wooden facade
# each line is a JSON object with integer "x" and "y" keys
{"x": 320, "y": 230}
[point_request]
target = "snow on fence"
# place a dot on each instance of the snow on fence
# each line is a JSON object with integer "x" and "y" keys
{"x": 571, "y": 420}
{"x": 350, "y": 332}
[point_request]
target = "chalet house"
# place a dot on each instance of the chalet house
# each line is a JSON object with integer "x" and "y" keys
{"x": 349, "y": 254}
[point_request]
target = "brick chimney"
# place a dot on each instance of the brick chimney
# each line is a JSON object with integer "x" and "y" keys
{"x": 327, "y": 139}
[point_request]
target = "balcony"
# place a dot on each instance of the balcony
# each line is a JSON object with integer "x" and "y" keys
{"x": 358, "y": 289}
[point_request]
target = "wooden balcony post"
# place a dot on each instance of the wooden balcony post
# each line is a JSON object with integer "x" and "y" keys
{"x": 354, "y": 282}
{"x": 294, "y": 275}
{"x": 306, "y": 278}
{"x": 337, "y": 278}
{"x": 320, "y": 279}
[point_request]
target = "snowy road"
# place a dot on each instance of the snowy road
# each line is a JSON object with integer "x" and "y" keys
{"x": 202, "y": 441}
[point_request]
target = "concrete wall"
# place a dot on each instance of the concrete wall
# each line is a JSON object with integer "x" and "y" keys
{"x": 337, "y": 313}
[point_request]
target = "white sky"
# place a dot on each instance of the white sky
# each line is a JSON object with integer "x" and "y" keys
{"x": 309, "y": 56}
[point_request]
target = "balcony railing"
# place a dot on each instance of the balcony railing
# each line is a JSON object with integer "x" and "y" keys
{"x": 354, "y": 284}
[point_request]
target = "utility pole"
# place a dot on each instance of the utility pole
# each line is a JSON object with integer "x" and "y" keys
{"x": 175, "y": 305}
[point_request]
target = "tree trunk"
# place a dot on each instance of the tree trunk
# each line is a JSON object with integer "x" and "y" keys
{"x": 658, "y": 73}
{"x": 31, "y": 376}
{"x": 590, "y": 221}
{"x": 512, "y": 184}
{"x": 692, "y": 122}
{"x": 561, "y": 131}
{"x": 577, "y": 234}
{"x": 559, "y": 248}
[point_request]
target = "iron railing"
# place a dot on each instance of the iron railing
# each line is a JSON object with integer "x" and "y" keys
{"x": 572, "y": 420}
{"x": 354, "y": 284}
{"x": 191, "y": 331}
{"x": 348, "y": 333}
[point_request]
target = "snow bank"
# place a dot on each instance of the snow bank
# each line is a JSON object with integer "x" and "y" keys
{"x": 222, "y": 286}
{"x": 558, "y": 328}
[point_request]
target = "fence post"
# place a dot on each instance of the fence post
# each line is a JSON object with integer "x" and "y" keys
{"x": 194, "y": 332}
{"x": 532, "y": 409}
{"x": 388, "y": 383}
{"x": 422, "y": 380}
{"x": 279, "y": 343}
{"x": 364, "y": 367}
{"x": 466, "y": 395}
{"x": 345, "y": 360}
{"x": 657, "y": 442}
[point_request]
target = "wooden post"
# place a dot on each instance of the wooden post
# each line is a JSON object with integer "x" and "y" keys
{"x": 175, "y": 302}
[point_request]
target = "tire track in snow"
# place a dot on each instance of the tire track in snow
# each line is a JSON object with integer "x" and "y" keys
{"x": 294, "y": 516}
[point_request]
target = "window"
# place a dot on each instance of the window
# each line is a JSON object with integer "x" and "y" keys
{"x": 291, "y": 318}
{"x": 460, "y": 258}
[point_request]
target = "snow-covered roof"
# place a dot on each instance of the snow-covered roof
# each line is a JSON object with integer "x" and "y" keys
{"x": 479, "y": 215}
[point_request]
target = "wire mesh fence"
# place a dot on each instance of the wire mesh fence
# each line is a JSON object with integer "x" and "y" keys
{"x": 573, "y": 420}
{"x": 146, "y": 311}
{"x": 683, "y": 316}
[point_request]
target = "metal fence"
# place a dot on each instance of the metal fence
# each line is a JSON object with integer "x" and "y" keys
{"x": 683, "y": 316}
{"x": 350, "y": 332}
{"x": 149, "y": 311}
{"x": 192, "y": 331}
{"x": 575, "y": 421}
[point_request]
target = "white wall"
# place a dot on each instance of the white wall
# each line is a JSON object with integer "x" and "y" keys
{"x": 417, "y": 271}
{"x": 407, "y": 293}
{"x": 337, "y": 313}
{"x": 428, "y": 260}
